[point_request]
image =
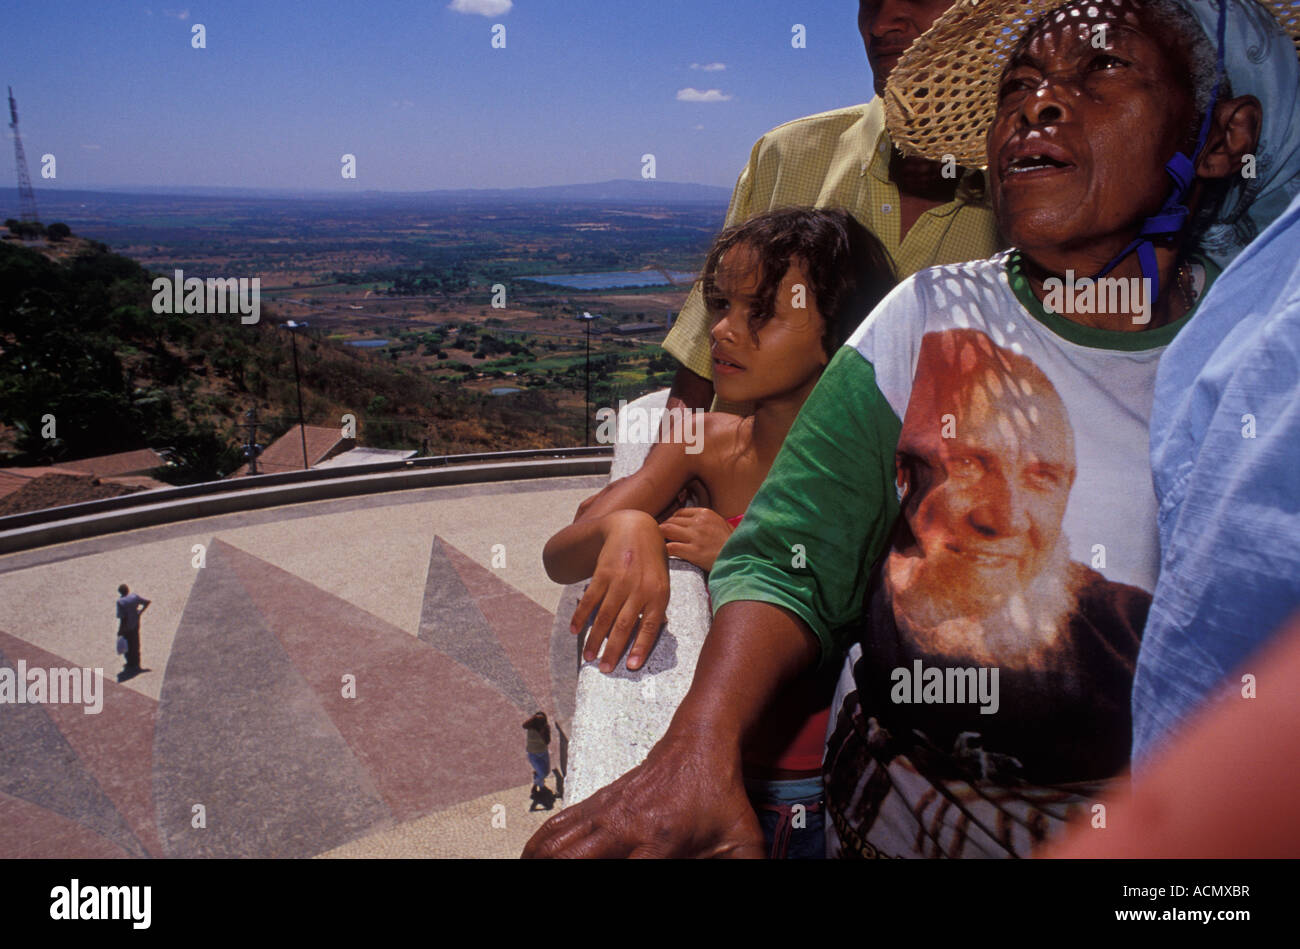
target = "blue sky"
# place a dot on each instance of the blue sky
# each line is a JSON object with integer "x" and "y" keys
{"x": 415, "y": 90}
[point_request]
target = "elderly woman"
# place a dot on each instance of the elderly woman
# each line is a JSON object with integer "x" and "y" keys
{"x": 971, "y": 471}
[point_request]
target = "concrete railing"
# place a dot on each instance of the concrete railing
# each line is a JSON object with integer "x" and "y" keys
{"x": 167, "y": 505}
{"x": 619, "y": 716}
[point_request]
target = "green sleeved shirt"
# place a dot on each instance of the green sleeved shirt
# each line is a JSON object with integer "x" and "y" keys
{"x": 822, "y": 517}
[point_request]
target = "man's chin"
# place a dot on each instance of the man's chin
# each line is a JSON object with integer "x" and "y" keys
{"x": 988, "y": 615}
{"x": 933, "y": 592}
{"x": 881, "y": 67}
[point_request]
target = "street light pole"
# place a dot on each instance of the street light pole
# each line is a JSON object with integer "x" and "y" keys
{"x": 252, "y": 449}
{"x": 586, "y": 404}
{"x": 302, "y": 427}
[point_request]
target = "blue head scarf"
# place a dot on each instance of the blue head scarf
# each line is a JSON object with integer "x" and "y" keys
{"x": 1259, "y": 59}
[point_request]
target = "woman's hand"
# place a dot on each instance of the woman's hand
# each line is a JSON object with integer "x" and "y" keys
{"x": 696, "y": 535}
{"x": 630, "y": 581}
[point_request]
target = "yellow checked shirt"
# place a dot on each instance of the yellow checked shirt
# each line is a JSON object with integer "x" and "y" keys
{"x": 840, "y": 159}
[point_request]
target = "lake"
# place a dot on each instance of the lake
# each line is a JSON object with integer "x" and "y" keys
{"x": 613, "y": 280}
{"x": 367, "y": 343}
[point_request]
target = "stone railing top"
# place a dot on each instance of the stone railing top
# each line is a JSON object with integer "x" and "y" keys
{"x": 619, "y": 716}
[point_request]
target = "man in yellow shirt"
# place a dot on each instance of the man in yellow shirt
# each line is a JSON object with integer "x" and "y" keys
{"x": 925, "y": 213}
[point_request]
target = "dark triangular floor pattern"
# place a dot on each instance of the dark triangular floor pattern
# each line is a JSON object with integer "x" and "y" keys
{"x": 31, "y": 832}
{"x": 37, "y": 764}
{"x": 115, "y": 745}
{"x": 274, "y": 775}
{"x": 451, "y": 620}
{"x": 520, "y": 626}
{"x": 430, "y": 732}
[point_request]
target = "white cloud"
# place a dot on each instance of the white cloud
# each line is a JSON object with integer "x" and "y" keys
{"x": 482, "y": 7}
{"x": 178, "y": 14}
{"x": 709, "y": 67}
{"x": 698, "y": 95}
{"x": 92, "y": 148}
{"x": 403, "y": 104}
{"x": 699, "y": 128}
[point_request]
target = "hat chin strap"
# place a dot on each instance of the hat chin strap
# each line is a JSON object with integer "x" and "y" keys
{"x": 1166, "y": 222}
{"x": 1171, "y": 217}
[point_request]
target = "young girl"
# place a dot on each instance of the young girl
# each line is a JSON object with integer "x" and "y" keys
{"x": 784, "y": 290}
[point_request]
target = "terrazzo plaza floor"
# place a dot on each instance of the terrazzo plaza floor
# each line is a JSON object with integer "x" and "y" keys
{"x": 342, "y": 678}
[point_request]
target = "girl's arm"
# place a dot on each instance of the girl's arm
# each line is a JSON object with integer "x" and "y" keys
{"x": 571, "y": 555}
{"x": 630, "y": 588}
{"x": 615, "y": 540}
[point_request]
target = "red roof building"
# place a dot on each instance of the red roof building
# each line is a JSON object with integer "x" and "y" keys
{"x": 139, "y": 462}
{"x": 285, "y": 453}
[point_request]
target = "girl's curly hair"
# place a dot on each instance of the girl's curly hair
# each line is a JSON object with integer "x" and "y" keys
{"x": 849, "y": 270}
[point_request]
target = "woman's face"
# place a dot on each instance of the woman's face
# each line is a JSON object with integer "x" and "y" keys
{"x": 1089, "y": 110}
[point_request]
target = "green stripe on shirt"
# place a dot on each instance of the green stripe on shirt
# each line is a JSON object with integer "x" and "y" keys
{"x": 822, "y": 517}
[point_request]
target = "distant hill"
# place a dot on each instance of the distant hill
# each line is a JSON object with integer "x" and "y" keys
{"x": 619, "y": 191}
{"x": 616, "y": 191}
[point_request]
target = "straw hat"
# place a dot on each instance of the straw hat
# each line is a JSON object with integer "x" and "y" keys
{"x": 942, "y": 96}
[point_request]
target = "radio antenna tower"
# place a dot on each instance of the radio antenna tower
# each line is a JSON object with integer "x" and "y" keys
{"x": 26, "y": 199}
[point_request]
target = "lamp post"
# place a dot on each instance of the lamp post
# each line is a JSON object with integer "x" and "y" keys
{"x": 586, "y": 404}
{"x": 302, "y": 427}
{"x": 251, "y": 448}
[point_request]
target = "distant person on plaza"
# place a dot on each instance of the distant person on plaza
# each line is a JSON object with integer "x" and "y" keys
{"x": 924, "y": 212}
{"x": 537, "y": 745}
{"x": 130, "y": 606}
{"x": 783, "y": 291}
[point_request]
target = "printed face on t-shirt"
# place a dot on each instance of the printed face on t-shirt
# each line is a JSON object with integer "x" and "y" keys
{"x": 985, "y": 462}
{"x": 988, "y": 696}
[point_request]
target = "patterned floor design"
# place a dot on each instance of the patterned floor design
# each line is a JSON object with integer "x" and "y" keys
{"x": 289, "y": 707}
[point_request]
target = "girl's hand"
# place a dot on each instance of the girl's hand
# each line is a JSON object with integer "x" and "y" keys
{"x": 630, "y": 580}
{"x": 696, "y": 535}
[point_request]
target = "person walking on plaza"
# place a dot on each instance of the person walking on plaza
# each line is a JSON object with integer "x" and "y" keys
{"x": 538, "y": 747}
{"x": 129, "y": 608}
